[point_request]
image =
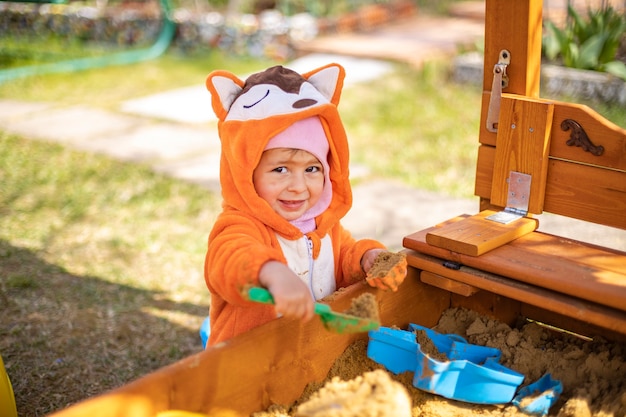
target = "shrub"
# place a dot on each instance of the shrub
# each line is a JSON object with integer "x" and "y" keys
{"x": 590, "y": 43}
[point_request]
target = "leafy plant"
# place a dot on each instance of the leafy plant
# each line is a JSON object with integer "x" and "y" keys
{"x": 590, "y": 43}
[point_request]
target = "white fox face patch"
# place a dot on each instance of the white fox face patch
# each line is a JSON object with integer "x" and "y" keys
{"x": 275, "y": 91}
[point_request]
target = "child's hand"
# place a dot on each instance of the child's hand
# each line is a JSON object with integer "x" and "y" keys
{"x": 369, "y": 257}
{"x": 386, "y": 270}
{"x": 291, "y": 296}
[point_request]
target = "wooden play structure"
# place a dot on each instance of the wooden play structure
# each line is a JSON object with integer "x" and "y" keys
{"x": 535, "y": 155}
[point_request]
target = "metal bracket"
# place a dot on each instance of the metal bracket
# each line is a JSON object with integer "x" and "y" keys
{"x": 517, "y": 199}
{"x": 500, "y": 81}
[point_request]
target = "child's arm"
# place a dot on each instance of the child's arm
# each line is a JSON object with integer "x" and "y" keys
{"x": 291, "y": 296}
{"x": 237, "y": 250}
{"x": 357, "y": 257}
{"x": 351, "y": 267}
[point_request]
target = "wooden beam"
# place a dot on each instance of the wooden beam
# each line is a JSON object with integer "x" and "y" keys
{"x": 515, "y": 26}
{"x": 523, "y": 143}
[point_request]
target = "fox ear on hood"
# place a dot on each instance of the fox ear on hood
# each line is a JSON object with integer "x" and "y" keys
{"x": 328, "y": 80}
{"x": 224, "y": 88}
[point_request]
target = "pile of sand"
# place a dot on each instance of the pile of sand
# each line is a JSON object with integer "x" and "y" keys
{"x": 364, "y": 306}
{"x": 593, "y": 374}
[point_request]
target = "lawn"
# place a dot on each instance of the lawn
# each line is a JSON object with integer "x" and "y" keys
{"x": 100, "y": 272}
{"x": 101, "y": 261}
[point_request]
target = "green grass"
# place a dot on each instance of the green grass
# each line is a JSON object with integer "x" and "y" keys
{"x": 17, "y": 50}
{"x": 416, "y": 127}
{"x": 100, "y": 271}
{"x": 101, "y": 262}
{"x": 76, "y": 209}
{"x": 108, "y": 87}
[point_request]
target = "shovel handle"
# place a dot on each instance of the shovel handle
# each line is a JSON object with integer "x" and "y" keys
{"x": 261, "y": 295}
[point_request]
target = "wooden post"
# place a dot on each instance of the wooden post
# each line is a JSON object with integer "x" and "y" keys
{"x": 523, "y": 144}
{"x": 515, "y": 26}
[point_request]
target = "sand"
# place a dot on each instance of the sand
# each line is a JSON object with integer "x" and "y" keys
{"x": 593, "y": 374}
{"x": 364, "y": 306}
{"x": 384, "y": 263}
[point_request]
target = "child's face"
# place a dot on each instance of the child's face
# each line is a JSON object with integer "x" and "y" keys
{"x": 290, "y": 180}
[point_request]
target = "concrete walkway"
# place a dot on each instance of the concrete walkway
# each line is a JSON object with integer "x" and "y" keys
{"x": 176, "y": 133}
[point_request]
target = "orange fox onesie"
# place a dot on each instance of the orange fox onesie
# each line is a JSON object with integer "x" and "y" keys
{"x": 248, "y": 232}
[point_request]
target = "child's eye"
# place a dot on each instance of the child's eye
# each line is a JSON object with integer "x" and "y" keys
{"x": 313, "y": 169}
{"x": 280, "y": 170}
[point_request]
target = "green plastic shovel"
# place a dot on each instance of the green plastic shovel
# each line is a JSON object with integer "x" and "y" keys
{"x": 333, "y": 321}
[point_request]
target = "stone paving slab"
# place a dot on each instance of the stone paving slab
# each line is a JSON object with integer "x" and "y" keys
{"x": 13, "y": 109}
{"x": 413, "y": 40}
{"x": 155, "y": 143}
{"x": 186, "y": 105}
{"x": 71, "y": 125}
{"x": 201, "y": 169}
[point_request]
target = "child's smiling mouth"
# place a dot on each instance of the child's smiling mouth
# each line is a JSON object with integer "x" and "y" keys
{"x": 292, "y": 204}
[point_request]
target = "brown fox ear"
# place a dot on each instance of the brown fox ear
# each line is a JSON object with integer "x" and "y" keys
{"x": 224, "y": 88}
{"x": 328, "y": 80}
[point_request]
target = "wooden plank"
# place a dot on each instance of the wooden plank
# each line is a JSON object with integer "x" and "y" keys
{"x": 583, "y": 192}
{"x": 600, "y": 131}
{"x": 522, "y": 145}
{"x": 447, "y": 284}
{"x": 546, "y": 261}
{"x": 579, "y": 184}
{"x": 269, "y": 364}
{"x": 484, "y": 171}
{"x": 476, "y": 235}
{"x": 586, "y": 193}
{"x": 492, "y": 305}
{"x": 574, "y": 308}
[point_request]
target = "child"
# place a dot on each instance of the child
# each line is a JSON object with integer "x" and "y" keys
{"x": 285, "y": 185}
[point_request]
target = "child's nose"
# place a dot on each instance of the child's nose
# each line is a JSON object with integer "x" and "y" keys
{"x": 297, "y": 183}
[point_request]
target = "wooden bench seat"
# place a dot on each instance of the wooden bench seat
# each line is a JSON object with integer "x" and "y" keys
{"x": 571, "y": 278}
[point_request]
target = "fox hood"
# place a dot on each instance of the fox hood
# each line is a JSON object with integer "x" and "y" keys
{"x": 250, "y": 113}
